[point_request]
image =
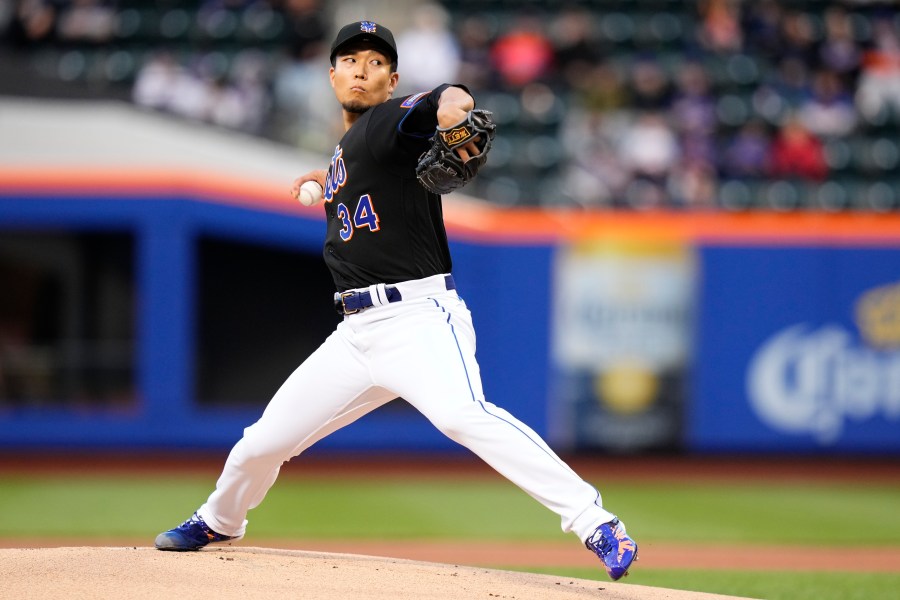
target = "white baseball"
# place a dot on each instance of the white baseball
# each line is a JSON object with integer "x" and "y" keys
{"x": 310, "y": 193}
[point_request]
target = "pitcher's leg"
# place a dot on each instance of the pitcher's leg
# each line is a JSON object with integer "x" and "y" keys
{"x": 329, "y": 390}
{"x": 431, "y": 363}
{"x": 518, "y": 453}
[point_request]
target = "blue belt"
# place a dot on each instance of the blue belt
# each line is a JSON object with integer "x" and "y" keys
{"x": 348, "y": 303}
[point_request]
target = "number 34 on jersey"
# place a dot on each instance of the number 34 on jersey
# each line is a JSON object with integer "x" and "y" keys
{"x": 364, "y": 215}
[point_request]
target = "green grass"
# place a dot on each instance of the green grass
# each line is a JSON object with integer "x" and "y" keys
{"x": 779, "y": 513}
{"x": 396, "y": 508}
{"x": 782, "y": 513}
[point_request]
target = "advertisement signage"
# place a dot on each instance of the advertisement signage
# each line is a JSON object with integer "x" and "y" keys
{"x": 620, "y": 347}
{"x": 798, "y": 349}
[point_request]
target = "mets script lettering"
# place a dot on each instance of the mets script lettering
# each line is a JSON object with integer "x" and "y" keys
{"x": 337, "y": 174}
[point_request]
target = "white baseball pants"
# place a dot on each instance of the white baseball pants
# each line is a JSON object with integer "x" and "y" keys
{"x": 422, "y": 349}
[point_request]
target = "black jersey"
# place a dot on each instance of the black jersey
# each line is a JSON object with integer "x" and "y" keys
{"x": 383, "y": 226}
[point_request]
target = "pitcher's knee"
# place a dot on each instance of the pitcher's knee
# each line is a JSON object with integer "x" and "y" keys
{"x": 457, "y": 424}
{"x": 258, "y": 447}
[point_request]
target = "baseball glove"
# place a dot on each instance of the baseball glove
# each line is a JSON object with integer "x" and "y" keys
{"x": 441, "y": 170}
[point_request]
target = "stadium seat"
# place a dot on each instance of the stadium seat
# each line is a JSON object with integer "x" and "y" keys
{"x": 831, "y": 196}
{"x": 733, "y": 110}
{"x": 175, "y": 24}
{"x": 838, "y": 155}
{"x": 736, "y": 195}
{"x": 879, "y": 196}
{"x": 783, "y": 195}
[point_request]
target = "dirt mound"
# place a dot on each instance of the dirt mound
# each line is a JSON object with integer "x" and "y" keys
{"x": 246, "y": 573}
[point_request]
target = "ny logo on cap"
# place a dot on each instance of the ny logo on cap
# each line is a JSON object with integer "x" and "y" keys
{"x": 367, "y": 26}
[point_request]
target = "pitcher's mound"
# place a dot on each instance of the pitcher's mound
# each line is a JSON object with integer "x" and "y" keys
{"x": 246, "y": 573}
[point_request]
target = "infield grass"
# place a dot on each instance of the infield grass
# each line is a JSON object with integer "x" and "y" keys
{"x": 828, "y": 514}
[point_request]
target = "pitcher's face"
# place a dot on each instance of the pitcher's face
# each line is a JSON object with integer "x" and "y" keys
{"x": 362, "y": 78}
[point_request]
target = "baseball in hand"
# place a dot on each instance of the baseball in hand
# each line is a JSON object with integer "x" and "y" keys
{"x": 310, "y": 193}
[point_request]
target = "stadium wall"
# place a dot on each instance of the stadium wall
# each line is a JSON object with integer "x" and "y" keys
{"x": 790, "y": 321}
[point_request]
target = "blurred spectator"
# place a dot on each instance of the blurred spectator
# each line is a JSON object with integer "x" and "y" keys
{"x": 761, "y": 24}
{"x": 249, "y": 91}
{"x": 793, "y": 80}
{"x": 157, "y": 81}
{"x": 599, "y": 88}
{"x": 567, "y": 71}
{"x": 202, "y": 93}
{"x": 798, "y": 38}
{"x": 648, "y": 150}
{"x": 649, "y": 87}
{"x": 698, "y": 148}
{"x": 540, "y": 105}
{"x": 523, "y": 54}
{"x": 693, "y": 114}
{"x": 302, "y": 119}
{"x": 225, "y": 105}
{"x": 694, "y": 107}
{"x": 576, "y": 48}
{"x": 839, "y": 52}
{"x": 593, "y": 175}
{"x": 720, "y": 30}
{"x": 430, "y": 53}
{"x": 693, "y": 185}
{"x": 33, "y": 21}
{"x": 879, "y": 83}
{"x": 475, "y": 68}
{"x": 797, "y": 153}
{"x": 86, "y": 21}
{"x": 783, "y": 91}
{"x": 298, "y": 82}
{"x": 746, "y": 154}
{"x": 306, "y": 28}
{"x": 191, "y": 95}
{"x": 829, "y": 110}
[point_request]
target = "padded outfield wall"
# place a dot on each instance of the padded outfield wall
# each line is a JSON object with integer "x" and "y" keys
{"x": 702, "y": 332}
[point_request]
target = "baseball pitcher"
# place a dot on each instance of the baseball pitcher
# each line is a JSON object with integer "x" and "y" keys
{"x": 406, "y": 331}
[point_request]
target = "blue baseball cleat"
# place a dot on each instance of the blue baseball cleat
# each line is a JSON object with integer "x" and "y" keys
{"x": 193, "y": 534}
{"x": 614, "y": 547}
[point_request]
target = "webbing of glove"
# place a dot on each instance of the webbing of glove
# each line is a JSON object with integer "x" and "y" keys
{"x": 441, "y": 170}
